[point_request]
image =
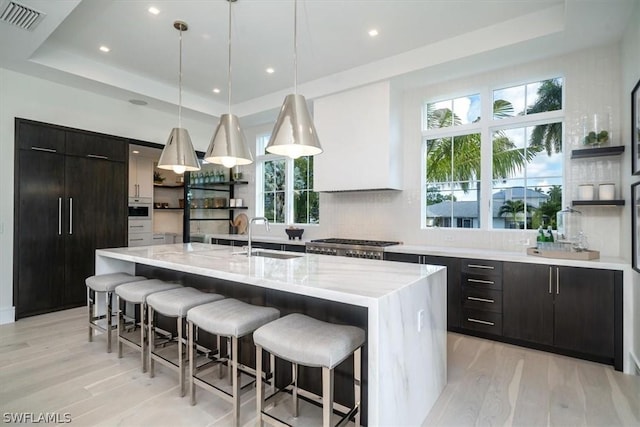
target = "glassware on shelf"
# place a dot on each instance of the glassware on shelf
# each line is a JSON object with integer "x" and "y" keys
{"x": 596, "y": 130}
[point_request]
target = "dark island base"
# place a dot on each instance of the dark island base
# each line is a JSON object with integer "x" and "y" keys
{"x": 329, "y": 311}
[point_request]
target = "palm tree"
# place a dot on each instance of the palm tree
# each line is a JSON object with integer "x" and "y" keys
{"x": 457, "y": 159}
{"x": 547, "y": 136}
{"x": 514, "y": 207}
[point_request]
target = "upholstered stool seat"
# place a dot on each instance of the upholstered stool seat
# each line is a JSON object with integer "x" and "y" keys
{"x": 174, "y": 303}
{"x": 136, "y": 293}
{"x": 104, "y": 284}
{"x": 232, "y": 319}
{"x": 303, "y": 340}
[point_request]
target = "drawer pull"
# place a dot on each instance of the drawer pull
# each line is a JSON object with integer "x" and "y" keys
{"x": 486, "y": 282}
{"x": 136, "y": 226}
{"x": 135, "y": 240}
{"x": 48, "y": 150}
{"x": 486, "y": 267}
{"x": 481, "y": 299}
{"x": 97, "y": 156}
{"x": 484, "y": 322}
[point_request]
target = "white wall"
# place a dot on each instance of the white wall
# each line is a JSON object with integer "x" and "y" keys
{"x": 37, "y": 99}
{"x": 591, "y": 82}
{"x": 630, "y": 73}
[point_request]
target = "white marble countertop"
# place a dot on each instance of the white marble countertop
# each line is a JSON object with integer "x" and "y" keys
{"x": 354, "y": 281}
{"x": 608, "y": 263}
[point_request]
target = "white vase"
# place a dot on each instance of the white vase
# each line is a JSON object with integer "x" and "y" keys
{"x": 607, "y": 191}
{"x": 585, "y": 192}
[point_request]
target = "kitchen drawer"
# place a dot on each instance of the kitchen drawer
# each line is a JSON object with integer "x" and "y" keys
{"x": 482, "y": 321}
{"x": 140, "y": 226}
{"x": 482, "y": 281}
{"x": 482, "y": 267}
{"x": 140, "y": 239}
{"x": 482, "y": 299}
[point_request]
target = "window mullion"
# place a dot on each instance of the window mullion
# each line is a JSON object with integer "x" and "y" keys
{"x": 486, "y": 165}
{"x": 288, "y": 188}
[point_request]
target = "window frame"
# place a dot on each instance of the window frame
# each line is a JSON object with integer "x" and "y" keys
{"x": 289, "y": 190}
{"x": 486, "y": 126}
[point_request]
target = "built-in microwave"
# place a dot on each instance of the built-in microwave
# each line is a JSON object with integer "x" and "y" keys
{"x": 140, "y": 207}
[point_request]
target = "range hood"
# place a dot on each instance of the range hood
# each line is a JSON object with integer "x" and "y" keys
{"x": 360, "y": 134}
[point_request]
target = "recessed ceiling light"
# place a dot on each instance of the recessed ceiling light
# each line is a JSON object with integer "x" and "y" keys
{"x": 216, "y": 90}
{"x": 153, "y": 10}
{"x": 270, "y": 70}
{"x": 373, "y": 32}
{"x": 138, "y": 102}
{"x": 104, "y": 49}
{"x": 135, "y": 152}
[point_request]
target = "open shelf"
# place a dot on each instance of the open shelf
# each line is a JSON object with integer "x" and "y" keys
{"x": 220, "y": 208}
{"x": 598, "y": 203}
{"x": 156, "y": 185}
{"x": 168, "y": 209}
{"x": 584, "y": 153}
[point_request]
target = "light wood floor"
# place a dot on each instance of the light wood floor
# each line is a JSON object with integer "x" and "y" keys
{"x": 47, "y": 366}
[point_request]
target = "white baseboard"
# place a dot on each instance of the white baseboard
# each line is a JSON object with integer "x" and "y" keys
{"x": 7, "y": 315}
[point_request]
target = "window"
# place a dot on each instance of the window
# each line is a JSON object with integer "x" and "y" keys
{"x": 285, "y": 187}
{"x": 523, "y": 166}
{"x": 452, "y": 163}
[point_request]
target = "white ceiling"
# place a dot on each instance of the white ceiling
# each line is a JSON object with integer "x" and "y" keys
{"x": 419, "y": 42}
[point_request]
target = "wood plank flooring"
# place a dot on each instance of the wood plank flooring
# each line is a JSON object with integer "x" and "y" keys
{"x": 47, "y": 366}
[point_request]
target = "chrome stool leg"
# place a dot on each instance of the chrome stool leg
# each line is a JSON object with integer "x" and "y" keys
{"x": 152, "y": 345}
{"x": 327, "y": 396}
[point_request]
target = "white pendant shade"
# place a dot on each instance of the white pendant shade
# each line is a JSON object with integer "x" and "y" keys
{"x": 228, "y": 146}
{"x": 178, "y": 154}
{"x": 294, "y": 134}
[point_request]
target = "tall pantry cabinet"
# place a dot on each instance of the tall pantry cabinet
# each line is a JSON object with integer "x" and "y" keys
{"x": 70, "y": 199}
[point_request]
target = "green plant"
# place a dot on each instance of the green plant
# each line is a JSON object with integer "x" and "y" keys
{"x": 593, "y": 138}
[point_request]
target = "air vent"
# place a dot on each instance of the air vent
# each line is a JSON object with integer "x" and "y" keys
{"x": 20, "y": 15}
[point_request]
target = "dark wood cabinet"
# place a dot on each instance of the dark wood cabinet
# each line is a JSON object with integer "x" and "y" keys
{"x": 67, "y": 206}
{"x": 454, "y": 307}
{"x": 574, "y": 310}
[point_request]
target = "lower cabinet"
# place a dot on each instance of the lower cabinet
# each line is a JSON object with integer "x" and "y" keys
{"x": 481, "y": 284}
{"x": 454, "y": 308}
{"x": 574, "y": 310}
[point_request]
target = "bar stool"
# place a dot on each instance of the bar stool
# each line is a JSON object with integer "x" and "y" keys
{"x": 173, "y": 303}
{"x": 104, "y": 284}
{"x": 303, "y": 340}
{"x": 231, "y": 319}
{"x": 136, "y": 293}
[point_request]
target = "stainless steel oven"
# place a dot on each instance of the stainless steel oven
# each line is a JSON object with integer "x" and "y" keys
{"x": 140, "y": 207}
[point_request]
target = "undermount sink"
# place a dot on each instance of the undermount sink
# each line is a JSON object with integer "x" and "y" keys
{"x": 270, "y": 254}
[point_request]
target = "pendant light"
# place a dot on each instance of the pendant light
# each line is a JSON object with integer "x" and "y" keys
{"x": 228, "y": 146}
{"x": 178, "y": 153}
{"x": 294, "y": 134}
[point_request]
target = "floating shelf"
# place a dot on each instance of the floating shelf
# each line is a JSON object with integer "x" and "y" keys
{"x": 168, "y": 185}
{"x": 597, "y": 152}
{"x": 222, "y": 208}
{"x": 168, "y": 209}
{"x": 598, "y": 203}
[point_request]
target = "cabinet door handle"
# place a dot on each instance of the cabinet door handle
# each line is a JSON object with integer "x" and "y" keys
{"x": 97, "y": 156}
{"x": 558, "y": 280}
{"x": 486, "y": 267}
{"x": 550, "y": 274}
{"x": 48, "y": 150}
{"x": 70, "y": 215}
{"x": 483, "y": 322}
{"x": 59, "y": 216}
{"x": 135, "y": 240}
{"x": 481, "y": 299}
{"x": 485, "y": 282}
{"x": 136, "y": 226}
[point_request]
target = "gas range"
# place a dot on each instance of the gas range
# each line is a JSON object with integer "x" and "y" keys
{"x": 355, "y": 248}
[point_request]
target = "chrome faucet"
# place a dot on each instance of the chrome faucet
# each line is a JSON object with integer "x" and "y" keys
{"x": 251, "y": 221}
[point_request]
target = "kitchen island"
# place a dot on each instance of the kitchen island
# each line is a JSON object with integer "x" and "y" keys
{"x": 404, "y": 305}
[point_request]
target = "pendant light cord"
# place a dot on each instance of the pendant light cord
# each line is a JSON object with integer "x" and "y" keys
{"x": 229, "y": 67}
{"x": 295, "y": 47}
{"x": 180, "y": 83}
